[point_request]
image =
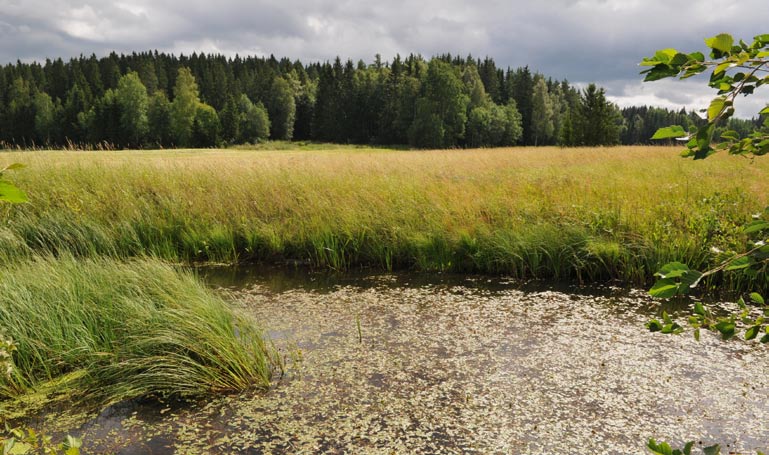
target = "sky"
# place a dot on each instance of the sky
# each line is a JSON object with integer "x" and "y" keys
{"x": 582, "y": 41}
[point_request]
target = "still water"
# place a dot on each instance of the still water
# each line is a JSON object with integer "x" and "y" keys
{"x": 404, "y": 364}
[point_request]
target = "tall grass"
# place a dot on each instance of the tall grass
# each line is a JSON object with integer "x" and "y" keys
{"x": 581, "y": 214}
{"x": 108, "y": 330}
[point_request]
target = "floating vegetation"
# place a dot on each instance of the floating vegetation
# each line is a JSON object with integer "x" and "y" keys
{"x": 467, "y": 366}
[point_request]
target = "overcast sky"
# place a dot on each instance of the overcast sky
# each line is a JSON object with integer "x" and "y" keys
{"x": 580, "y": 40}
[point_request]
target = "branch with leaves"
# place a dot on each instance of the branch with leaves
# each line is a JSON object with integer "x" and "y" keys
{"x": 736, "y": 69}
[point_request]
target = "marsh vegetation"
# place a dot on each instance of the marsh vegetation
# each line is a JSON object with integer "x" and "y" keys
{"x": 451, "y": 364}
{"x": 102, "y": 309}
{"x": 568, "y": 214}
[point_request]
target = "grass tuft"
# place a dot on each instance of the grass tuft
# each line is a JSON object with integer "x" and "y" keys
{"x": 115, "y": 331}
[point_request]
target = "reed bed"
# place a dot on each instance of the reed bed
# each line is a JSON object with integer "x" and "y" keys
{"x": 571, "y": 214}
{"x": 107, "y": 331}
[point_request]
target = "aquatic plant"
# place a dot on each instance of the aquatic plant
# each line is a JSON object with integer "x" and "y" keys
{"x": 109, "y": 331}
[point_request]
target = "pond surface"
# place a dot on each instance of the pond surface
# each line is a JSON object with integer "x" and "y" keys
{"x": 399, "y": 364}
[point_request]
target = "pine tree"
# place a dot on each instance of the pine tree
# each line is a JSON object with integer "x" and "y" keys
{"x": 542, "y": 125}
{"x": 599, "y": 119}
{"x": 521, "y": 88}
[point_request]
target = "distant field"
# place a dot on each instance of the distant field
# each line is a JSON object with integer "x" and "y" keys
{"x": 579, "y": 214}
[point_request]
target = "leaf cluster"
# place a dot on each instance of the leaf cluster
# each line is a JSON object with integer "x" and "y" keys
{"x": 27, "y": 441}
{"x": 676, "y": 279}
{"x": 663, "y": 448}
{"x": 737, "y": 68}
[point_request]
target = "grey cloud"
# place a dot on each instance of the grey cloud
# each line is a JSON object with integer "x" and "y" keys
{"x": 578, "y": 40}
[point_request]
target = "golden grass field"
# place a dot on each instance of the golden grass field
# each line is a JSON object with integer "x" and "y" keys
{"x": 584, "y": 213}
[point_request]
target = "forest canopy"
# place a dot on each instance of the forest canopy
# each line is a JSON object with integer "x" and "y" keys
{"x": 152, "y": 99}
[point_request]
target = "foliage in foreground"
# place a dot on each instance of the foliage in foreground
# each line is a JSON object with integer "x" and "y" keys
{"x": 737, "y": 69}
{"x": 109, "y": 331}
{"x": 26, "y": 441}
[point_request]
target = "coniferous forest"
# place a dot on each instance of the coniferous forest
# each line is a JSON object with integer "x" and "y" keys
{"x": 152, "y": 99}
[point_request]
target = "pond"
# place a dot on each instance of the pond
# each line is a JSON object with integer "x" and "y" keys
{"x": 402, "y": 364}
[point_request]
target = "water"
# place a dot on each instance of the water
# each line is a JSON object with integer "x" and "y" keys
{"x": 402, "y": 364}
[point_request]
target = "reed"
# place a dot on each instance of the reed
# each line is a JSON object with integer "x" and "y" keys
{"x": 575, "y": 214}
{"x": 109, "y": 331}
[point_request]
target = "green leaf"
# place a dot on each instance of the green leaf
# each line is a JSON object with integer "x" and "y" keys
{"x": 654, "y": 325}
{"x": 730, "y": 135}
{"x": 672, "y": 270}
{"x": 690, "y": 280}
{"x": 21, "y": 448}
{"x": 712, "y": 450}
{"x": 764, "y": 111}
{"x": 665, "y": 55}
{"x": 701, "y": 142}
{"x": 699, "y": 308}
{"x": 662, "y": 448}
{"x": 752, "y": 332}
{"x": 721, "y": 68}
{"x": 73, "y": 443}
{"x": 765, "y": 338}
{"x": 9, "y": 193}
{"x": 660, "y": 71}
{"x": 688, "y": 448}
{"x": 739, "y": 263}
{"x": 755, "y": 226}
{"x": 697, "y": 334}
{"x": 756, "y": 298}
{"x": 8, "y": 443}
{"x": 664, "y": 288}
{"x": 672, "y": 328}
{"x": 726, "y": 327}
{"x": 722, "y": 42}
{"x": 716, "y": 107}
{"x": 670, "y": 132}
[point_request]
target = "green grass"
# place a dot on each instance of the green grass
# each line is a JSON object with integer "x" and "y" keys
{"x": 109, "y": 331}
{"x": 569, "y": 214}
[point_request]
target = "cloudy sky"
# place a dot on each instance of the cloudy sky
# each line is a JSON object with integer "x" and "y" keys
{"x": 580, "y": 40}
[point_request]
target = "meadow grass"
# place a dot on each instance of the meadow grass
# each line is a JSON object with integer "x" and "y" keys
{"x": 583, "y": 214}
{"x": 107, "y": 331}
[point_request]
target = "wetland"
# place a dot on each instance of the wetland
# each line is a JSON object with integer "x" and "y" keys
{"x": 416, "y": 363}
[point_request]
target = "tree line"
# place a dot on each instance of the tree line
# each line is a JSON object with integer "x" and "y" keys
{"x": 155, "y": 99}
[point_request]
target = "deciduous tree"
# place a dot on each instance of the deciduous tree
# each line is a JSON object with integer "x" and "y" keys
{"x": 184, "y": 107}
{"x": 133, "y": 102}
